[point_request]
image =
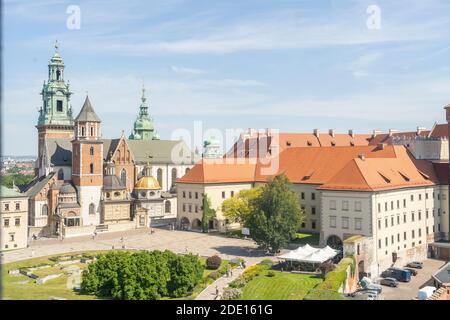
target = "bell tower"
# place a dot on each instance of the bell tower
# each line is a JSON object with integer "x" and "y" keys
{"x": 55, "y": 114}
{"x": 87, "y": 162}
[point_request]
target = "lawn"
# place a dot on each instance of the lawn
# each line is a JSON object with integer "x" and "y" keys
{"x": 307, "y": 238}
{"x": 282, "y": 286}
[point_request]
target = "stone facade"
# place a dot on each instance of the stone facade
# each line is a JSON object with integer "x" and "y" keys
{"x": 13, "y": 219}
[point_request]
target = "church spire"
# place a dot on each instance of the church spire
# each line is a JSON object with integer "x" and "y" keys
{"x": 143, "y": 126}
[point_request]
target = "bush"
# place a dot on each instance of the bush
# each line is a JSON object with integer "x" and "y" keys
{"x": 213, "y": 262}
{"x": 231, "y": 294}
{"x": 238, "y": 283}
{"x": 214, "y": 275}
{"x": 271, "y": 274}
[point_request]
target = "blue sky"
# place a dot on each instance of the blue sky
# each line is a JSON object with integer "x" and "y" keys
{"x": 288, "y": 65}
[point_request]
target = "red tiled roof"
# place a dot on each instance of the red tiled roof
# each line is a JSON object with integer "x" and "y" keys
{"x": 439, "y": 131}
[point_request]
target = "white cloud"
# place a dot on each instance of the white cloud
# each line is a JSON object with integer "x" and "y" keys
{"x": 183, "y": 70}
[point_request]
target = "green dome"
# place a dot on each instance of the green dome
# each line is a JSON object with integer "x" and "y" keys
{"x": 142, "y": 123}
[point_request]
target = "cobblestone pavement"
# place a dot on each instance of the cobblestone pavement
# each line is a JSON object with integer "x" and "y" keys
{"x": 174, "y": 240}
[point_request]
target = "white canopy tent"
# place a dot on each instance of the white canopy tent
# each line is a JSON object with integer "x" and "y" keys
{"x": 309, "y": 254}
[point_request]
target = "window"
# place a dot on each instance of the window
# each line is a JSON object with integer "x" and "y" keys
{"x": 184, "y": 194}
{"x": 420, "y": 215}
{"x": 313, "y": 224}
{"x": 332, "y": 222}
{"x": 17, "y": 206}
{"x": 59, "y": 106}
{"x": 412, "y": 198}
{"x": 167, "y": 207}
{"x": 313, "y": 210}
{"x": 392, "y": 239}
{"x": 232, "y": 193}
{"x": 223, "y": 194}
{"x": 184, "y": 207}
{"x": 427, "y": 214}
{"x": 412, "y": 216}
{"x": 159, "y": 176}
{"x": 358, "y": 223}
{"x": 17, "y": 222}
{"x": 379, "y": 243}
{"x": 313, "y": 196}
{"x": 392, "y": 221}
{"x": 196, "y": 209}
{"x": 11, "y": 237}
{"x": 91, "y": 150}
{"x": 428, "y": 230}
{"x": 392, "y": 205}
{"x": 196, "y": 195}
{"x": 439, "y": 212}
{"x": 413, "y": 234}
{"x": 344, "y": 205}
{"x": 92, "y": 131}
{"x": 398, "y": 219}
{"x": 302, "y": 196}
{"x": 344, "y": 223}
{"x": 398, "y": 237}
{"x": 358, "y": 206}
{"x": 6, "y": 223}
{"x": 174, "y": 176}
{"x": 404, "y": 235}
{"x": 379, "y": 207}
{"x": 420, "y": 232}
{"x": 398, "y": 204}
{"x": 44, "y": 210}
{"x": 91, "y": 168}
{"x": 404, "y": 218}
{"x": 123, "y": 176}
{"x": 190, "y": 208}
{"x": 379, "y": 224}
{"x": 332, "y": 204}
{"x": 404, "y": 203}
{"x": 386, "y": 242}
{"x": 385, "y": 222}
{"x": 385, "y": 206}
{"x": 190, "y": 195}
{"x": 303, "y": 225}
{"x": 6, "y": 206}
{"x": 92, "y": 208}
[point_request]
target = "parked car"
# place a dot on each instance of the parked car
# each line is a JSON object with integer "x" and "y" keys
{"x": 398, "y": 274}
{"x": 391, "y": 282}
{"x": 413, "y": 271}
{"x": 415, "y": 264}
{"x": 374, "y": 287}
{"x": 371, "y": 295}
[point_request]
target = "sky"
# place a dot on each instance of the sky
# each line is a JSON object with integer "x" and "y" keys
{"x": 289, "y": 65}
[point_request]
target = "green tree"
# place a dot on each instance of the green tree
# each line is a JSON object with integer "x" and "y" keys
{"x": 16, "y": 179}
{"x": 241, "y": 206}
{"x": 208, "y": 213}
{"x": 277, "y": 215}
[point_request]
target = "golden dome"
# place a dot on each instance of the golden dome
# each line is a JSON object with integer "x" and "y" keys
{"x": 147, "y": 183}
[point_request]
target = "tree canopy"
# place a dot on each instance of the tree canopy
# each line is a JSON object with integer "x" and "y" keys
{"x": 142, "y": 275}
{"x": 276, "y": 215}
{"x": 207, "y": 213}
{"x": 16, "y": 178}
{"x": 241, "y": 206}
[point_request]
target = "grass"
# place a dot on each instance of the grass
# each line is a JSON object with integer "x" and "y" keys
{"x": 282, "y": 286}
{"x": 307, "y": 238}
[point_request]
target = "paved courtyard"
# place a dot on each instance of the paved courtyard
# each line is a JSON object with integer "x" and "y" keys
{"x": 174, "y": 240}
{"x": 408, "y": 291}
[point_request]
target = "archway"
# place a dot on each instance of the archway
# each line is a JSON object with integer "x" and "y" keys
{"x": 196, "y": 224}
{"x": 184, "y": 223}
{"x": 334, "y": 242}
{"x": 361, "y": 271}
{"x": 213, "y": 224}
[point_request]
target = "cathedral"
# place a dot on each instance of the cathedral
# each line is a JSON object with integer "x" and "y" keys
{"x": 86, "y": 183}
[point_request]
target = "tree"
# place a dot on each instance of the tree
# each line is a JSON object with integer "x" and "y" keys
{"x": 208, "y": 213}
{"x": 239, "y": 207}
{"x": 277, "y": 215}
{"x": 16, "y": 179}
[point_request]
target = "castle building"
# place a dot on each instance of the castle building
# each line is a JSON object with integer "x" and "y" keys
{"x": 13, "y": 219}
{"x": 86, "y": 183}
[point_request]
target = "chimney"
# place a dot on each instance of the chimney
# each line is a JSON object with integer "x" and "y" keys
{"x": 392, "y": 131}
{"x": 375, "y": 133}
{"x": 331, "y": 132}
{"x": 316, "y": 132}
{"x": 362, "y": 157}
{"x": 351, "y": 133}
{"x": 420, "y": 130}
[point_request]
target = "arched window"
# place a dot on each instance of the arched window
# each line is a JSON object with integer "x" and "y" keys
{"x": 82, "y": 131}
{"x": 92, "y": 208}
{"x": 91, "y": 168}
{"x": 159, "y": 176}
{"x": 92, "y": 131}
{"x": 174, "y": 176}
{"x": 91, "y": 151}
{"x": 58, "y": 74}
{"x": 123, "y": 177}
{"x": 60, "y": 174}
{"x": 44, "y": 210}
{"x": 167, "y": 207}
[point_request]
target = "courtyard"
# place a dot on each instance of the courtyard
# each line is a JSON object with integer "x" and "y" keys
{"x": 141, "y": 239}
